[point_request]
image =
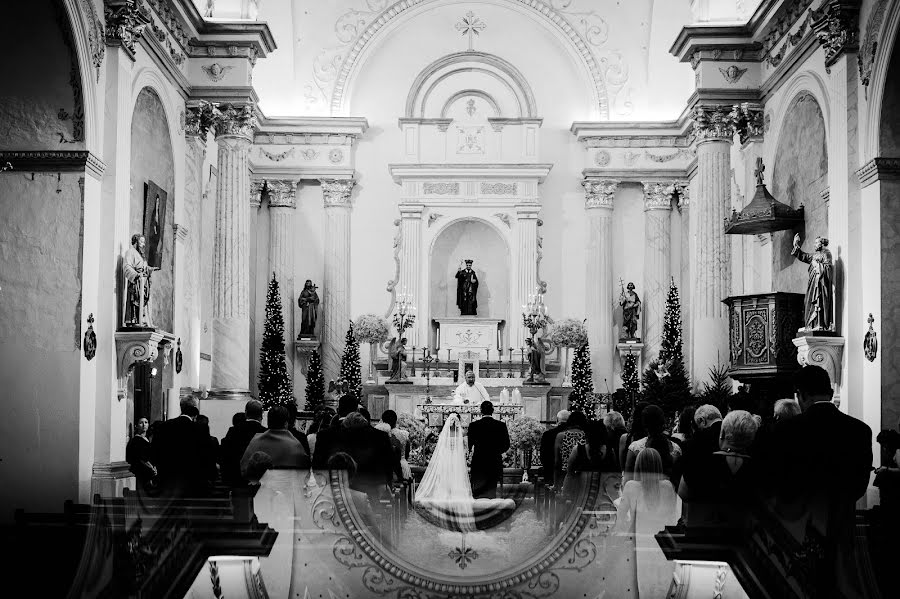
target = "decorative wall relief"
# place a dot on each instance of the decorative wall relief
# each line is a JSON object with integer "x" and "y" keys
{"x": 276, "y": 157}
{"x": 90, "y": 339}
{"x": 443, "y": 188}
{"x": 309, "y": 154}
{"x": 498, "y": 188}
{"x": 866, "y": 56}
{"x": 733, "y": 73}
{"x": 681, "y": 153}
{"x": 434, "y": 217}
{"x": 470, "y": 140}
{"x": 336, "y": 155}
{"x": 215, "y": 71}
{"x": 504, "y": 218}
{"x": 602, "y": 158}
{"x": 630, "y": 158}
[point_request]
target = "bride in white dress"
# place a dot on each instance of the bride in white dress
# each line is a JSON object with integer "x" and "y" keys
{"x": 445, "y": 491}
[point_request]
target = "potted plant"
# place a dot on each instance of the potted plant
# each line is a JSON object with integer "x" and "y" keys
{"x": 371, "y": 329}
{"x": 566, "y": 333}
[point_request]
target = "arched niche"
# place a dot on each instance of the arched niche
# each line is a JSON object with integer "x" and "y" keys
{"x": 799, "y": 176}
{"x": 469, "y": 238}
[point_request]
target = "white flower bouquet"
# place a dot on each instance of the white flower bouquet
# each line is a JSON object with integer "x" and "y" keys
{"x": 371, "y": 328}
{"x": 525, "y": 432}
{"x": 568, "y": 332}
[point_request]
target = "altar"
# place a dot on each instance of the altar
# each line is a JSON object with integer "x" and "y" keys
{"x": 434, "y": 414}
{"x": 471, "y": 334}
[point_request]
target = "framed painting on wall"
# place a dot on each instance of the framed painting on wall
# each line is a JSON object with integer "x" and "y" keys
{"x": 154, "y": 222}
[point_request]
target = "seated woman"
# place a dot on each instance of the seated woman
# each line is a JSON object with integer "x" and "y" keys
{"x": 566, "y": 442}
{"x": 344, "y": 461}
{"x": 654, "y": 421}
{"x": 721, "y": 496}
{"x": 137, "y": 454}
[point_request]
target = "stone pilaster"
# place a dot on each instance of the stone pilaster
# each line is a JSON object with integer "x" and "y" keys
{"x": 657, "y": 270}
{"x": 336, "y": 292}
{"x": 410, "y": 263}
{"x": 282, "y": 207}
{"x": 195, "y": 154}
{"x": 526, "y": 268}
{"x": 256, "y": 189}
{"x": 598, "y": 204}
{"x": 125, "y": 23}
{"x": 231, "y": 267}
{"x": 684, "y": 206}
{"x": 714, "y": 130}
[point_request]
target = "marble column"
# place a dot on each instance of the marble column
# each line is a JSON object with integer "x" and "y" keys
{"x": 526, "y": 269}
{"x": 684, "y": 204}
{"x": 714, "y": 129}
{"x": 598, "y": 205}
{"x": 231, "y": 267}
{"x": 410, "y": 265}
{"x": 657, "y": 269}
{"x": 282, "y": 207}
{"x": 336, "y": 293}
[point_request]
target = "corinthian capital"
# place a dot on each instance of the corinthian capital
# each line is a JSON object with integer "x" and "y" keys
{"x": 282, "y": 193}
{"x": 256, "y": 189}
{"x": 336, "y": 192}
{"x": 658, "y": 196}
{"x": 230, "y": 120}
{"x": 835, "y": 24}
{"x": 198, "y": 119}
{"x": 599, "y": 193}
{"x": 125, "y": 23}
{"x": 713, "y": 121}
{"x": 748, "y": 120}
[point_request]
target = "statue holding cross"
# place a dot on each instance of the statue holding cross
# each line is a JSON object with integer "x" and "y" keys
{"x": 471, "y": 26}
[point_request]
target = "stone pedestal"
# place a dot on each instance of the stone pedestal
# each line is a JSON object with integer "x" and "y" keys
{"x": 598, "y": 205}
{"x": 139, "y": 346}
{"x": 635, "y": 348}
{"x": 282, "y": 207}
{"x": 657, "y": 250}
{"x": 336, "y": 292}
{"x": 305, "y": 346}
{"x": 826, "y": 352}
{"x": 231, "y": 274}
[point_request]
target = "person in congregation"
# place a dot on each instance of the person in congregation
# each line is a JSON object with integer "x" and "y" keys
{"x": 548, "y": 445}
{"x": 685, "y": 429}
{"x": 401, "y": 435}
{"x": 177, "y": 451}
{"x": 138, "y": 456}
{"x": 277, "y": 441}
{"x": 212, "y": 450}
{"x": 828, "y": 468}
{"x": 669, "y": 452}
{"x": 566, "y": 443}
{"x": 327, "y": 437}
{"x": 236, "y": 441}
{"x": 470, "y": 392}
{"x": 635, "y": 432}
{"x": 369, "y": 448}
{"x": 292, "y": 427}
{"x": 705, "y": 442}
{"x": 321, "y": 420}
{"x": 344, "y": 461}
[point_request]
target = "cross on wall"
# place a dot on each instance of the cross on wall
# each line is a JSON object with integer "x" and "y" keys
{"x": 471, "y": 25}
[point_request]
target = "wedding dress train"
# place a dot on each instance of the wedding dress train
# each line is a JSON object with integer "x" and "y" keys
{"x": 445, "y": 494}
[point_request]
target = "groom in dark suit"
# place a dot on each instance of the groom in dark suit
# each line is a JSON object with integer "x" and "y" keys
{"x": 488, "y": 440}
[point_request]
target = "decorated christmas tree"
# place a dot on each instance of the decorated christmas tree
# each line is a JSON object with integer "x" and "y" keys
{"x": 717, "y": 391}
{"x": 582, "y": 397}
{"x": 315, "y": 383}
{"x": 351, "y": 375}
{"x": 274, "y": 385}
{"x": 665, "y": 381}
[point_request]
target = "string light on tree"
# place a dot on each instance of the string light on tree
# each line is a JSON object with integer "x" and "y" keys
{"x": 351, "y": 373}
{"x": 315, "y": 383}
{"x": 274, "y": 386}
{"x": 582, "y": 397}
{"x": 666, "y": 383}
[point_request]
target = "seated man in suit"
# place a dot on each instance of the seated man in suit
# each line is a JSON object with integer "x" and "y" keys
{"x": 236, "y": 441}
{"x": 488, "y": 440}
{"x": 371, "y": 450}
{"x": 178, "y": 450}
{"x": 327, "y": 438}
{"x": 278, "y": 442}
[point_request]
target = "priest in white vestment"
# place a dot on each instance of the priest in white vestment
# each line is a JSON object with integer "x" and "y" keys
{"x": 471, "y": 390}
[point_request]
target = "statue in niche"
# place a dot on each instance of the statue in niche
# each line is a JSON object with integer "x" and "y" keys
{"x": 466, "y": 289}
{"x": 537, "y": 360}
{"x": 631, "y": 311}
{"x": 397, "y": 354}
{"x": 137, "y": 282}
{"x": 819, "y": 301}
{"x": 309, "y": 305}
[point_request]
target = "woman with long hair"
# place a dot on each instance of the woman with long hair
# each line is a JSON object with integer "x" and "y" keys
{"x": 648, "y": 505}
{"x": 654, "y": 421}
{"x": 635, "y": 432}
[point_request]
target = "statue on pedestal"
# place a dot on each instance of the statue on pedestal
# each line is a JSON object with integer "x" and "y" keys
{"x": 309, "y": 305}
{"x": 631, "y": 311}
{"x": 537, "y": 360}
{"x": 137, "y": 282}
{"x": 397, "y": 354}
{"x": 466, "y": 289}
{"x": 818, "y": 305}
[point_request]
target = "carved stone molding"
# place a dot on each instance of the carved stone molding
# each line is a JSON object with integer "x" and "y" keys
{"x": 282, "y": 193}
{"x": 42, "y": 161}
{"x": 748, "y": 121}
{"x": 658, "y": 196}
{"x": 126, "y": 21}
{"x": 230, "y": 120}
{"x": 599, "y": 193}
{"x": 133, "y": 347}
{"x": 825, "y": 352}
{"x": 216, "y": 71}
{"x": 498, "y": 188}
{"x": 198, "y": 119}
{"x": 732, "y": 74}
{"x": 683, "y": 189}
{"x": 444, "y": 188}
{"x": 504, "y": 218}
{"x": 336, "y": 192}
{"x": 866, "y": 56}
{"x": 879, "y": 169}
{"x": 713, "y": 121}
{"x": 835, "y": 25}
{"x": 181, "y": 232}
{"x": 256, "y": 189}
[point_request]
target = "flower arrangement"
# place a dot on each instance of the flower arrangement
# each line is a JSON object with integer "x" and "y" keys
{"x": 422, "y": 440}
{"x": 525, "y": 432}
{"x": 568, "y": 332}
{"x": 371, "y": 328}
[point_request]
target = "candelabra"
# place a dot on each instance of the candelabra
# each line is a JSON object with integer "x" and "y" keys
{"x": 405, "y": 314}
{"x": 535, "y": 316}
{"x": 428, "y": 359}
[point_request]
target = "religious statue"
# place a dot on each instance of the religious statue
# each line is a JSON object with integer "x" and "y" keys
{"x": 631, "y": 311}
{"x": 397, "y": 354}
{"x": 309, "y": 304}
{"x": 818, "y": 313}
{"x": 137, "y": 281}
{"x": 466, "y": 289}
{"x": 537, "y": 359}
